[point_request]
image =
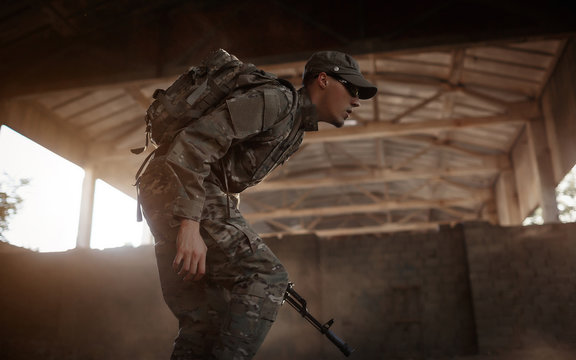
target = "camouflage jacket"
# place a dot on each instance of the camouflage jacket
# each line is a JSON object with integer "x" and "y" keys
{"x": 224, "y": 152}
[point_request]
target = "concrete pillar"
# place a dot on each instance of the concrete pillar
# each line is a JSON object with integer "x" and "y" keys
{"x": 86, "y": 208}
{"x": 544, "y": 170}
{"x": 507, "y": 199}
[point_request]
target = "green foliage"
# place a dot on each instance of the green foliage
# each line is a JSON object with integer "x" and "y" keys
{"x": 10, "y": 200}
{"x": 566, "y": 197}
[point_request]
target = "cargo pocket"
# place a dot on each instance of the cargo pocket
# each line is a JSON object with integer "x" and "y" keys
{"x": 230, "y": 238}
{"x": 269, "y": 311}
{"x": 240, "y": 224}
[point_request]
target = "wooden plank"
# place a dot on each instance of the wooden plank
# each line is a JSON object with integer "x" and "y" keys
{"x": 545, "y": 47}
{"x": 381, "y": 206}
{"x": 506, "y": 197}
{"x": 422, "y": 104}
{"x": 377, "y": 176}
{"x": 89, "y": 100}
{"x": 511, "y": 56}
{"x": 543, "y": 164}
{"x": 436, "y": 57}
{"x": 498, "y": 82}
{"x": 373, "y": 130}
{"x": 529, "y": 73}
{"x": 99, "y": 111}
{"x": 440, "y": 71}
{"x": 393, "y": 78}
{"x": 55, "y": 100}
{"x": 478, "y": 143}
{"x": 481, "y": 100}
{"x": 525, "y": 175}
{"x": 560, "y": 109}
{"x": 386, "y": 228}
{"x": 553, "y": 134}
{"x": 132, "y": 114}
{"x": 495, "y": 95}
{"x": 139, "y": 96}
{"x": 40, "y": 125}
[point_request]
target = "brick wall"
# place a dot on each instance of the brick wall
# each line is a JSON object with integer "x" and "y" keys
{"x": 523, "y": 285}
{"x": 474, "y": 288}
{"x": 82, "y": 305}
{"x": 397, "y": 295}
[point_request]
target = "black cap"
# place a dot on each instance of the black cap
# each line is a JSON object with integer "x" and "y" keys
{"x": 342, "y": 65}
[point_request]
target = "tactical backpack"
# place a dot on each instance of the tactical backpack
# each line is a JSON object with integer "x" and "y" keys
{"x": 195, "y": 93}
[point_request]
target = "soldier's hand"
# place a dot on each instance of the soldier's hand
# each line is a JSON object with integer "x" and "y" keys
{"x": 190, "y": 259}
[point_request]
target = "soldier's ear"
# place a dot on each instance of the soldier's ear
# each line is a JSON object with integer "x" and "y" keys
{"x": 322, "y": 80}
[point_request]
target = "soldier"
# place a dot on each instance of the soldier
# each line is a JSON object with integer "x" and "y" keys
{"x": 220, "y": 280}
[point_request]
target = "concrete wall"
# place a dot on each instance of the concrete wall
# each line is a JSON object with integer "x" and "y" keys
{"x": 83, "y": 304}
{"x": 559, "y": 108}
{"x": 470, "y": 289}
{"x": 523, "y": 282}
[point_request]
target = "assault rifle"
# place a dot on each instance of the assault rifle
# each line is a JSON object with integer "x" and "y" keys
{"x": 298, "y": 303}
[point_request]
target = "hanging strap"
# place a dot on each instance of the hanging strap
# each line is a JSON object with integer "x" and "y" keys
{"x": 137, "y": 183}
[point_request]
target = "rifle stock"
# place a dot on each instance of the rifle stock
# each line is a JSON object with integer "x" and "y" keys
{"x": 299, "y": 304}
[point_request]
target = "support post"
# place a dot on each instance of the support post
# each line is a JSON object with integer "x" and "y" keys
{"x": 86, "y": 208}
{"x": 507, "y": 199}
{"x": 544, "y": 170}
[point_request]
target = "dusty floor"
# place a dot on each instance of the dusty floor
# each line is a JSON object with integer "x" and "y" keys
{"x": 540, "y": 353}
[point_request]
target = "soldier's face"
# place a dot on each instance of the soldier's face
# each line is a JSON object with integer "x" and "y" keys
{"x": 337, "y": 102}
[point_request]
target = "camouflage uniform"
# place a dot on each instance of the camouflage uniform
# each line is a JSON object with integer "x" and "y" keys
{"x": 227, "y": 314}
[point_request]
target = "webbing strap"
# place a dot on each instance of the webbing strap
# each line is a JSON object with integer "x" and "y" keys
{"x": 137, "y": 183}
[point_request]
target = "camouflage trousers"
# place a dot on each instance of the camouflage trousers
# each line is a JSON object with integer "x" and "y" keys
{"x": 228, "y": 313}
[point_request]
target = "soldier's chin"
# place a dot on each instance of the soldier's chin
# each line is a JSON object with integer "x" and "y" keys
{"x": 339, "y": 122}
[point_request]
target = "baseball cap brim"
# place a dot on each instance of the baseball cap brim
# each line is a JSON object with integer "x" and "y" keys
{"x": 366, "y": 90}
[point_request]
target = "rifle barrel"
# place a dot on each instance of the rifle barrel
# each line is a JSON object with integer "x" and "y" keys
{"x": 299, "y": 304}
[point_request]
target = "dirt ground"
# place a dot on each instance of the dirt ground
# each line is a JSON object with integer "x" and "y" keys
{"x": 538, "y": 353}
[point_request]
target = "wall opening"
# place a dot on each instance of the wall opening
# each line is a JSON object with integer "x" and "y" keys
{"x": 114, "y": 220}
{"x": 47, "y": 218}
{"x": 566, "y": 199}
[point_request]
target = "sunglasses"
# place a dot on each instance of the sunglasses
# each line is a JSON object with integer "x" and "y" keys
{"x": 353, "y": 90}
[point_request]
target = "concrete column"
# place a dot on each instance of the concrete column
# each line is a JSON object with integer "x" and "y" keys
{"x": 507, "y": 199}
{"x": 544, "y": 170}
{"x": 86, "y": 208}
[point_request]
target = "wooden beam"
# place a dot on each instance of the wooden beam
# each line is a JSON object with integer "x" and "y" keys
{"x": 544, "y": 172}
{"x": 456, "y": 68}
{"x": 377, "y": 176}
{"x": 365, "y": 208}
{"x": 136, "y": 94}
{"x": 43, "y": 127}
{"x": 381, "y": 129}
{"x": 411, "y": 158}
{"x": 506, "y": 196}
{"x": 386, "y": 228}
{"x": 443, "y": 144}
{"x": 409, "y": 111}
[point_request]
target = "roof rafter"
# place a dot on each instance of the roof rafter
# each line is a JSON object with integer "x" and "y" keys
{"x": 366, "y": 208}
{"x": 381, "y": 129}
{"x": 376, "y": 176}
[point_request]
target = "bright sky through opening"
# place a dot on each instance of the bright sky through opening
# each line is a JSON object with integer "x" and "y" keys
{"x": 47, "y": 220}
